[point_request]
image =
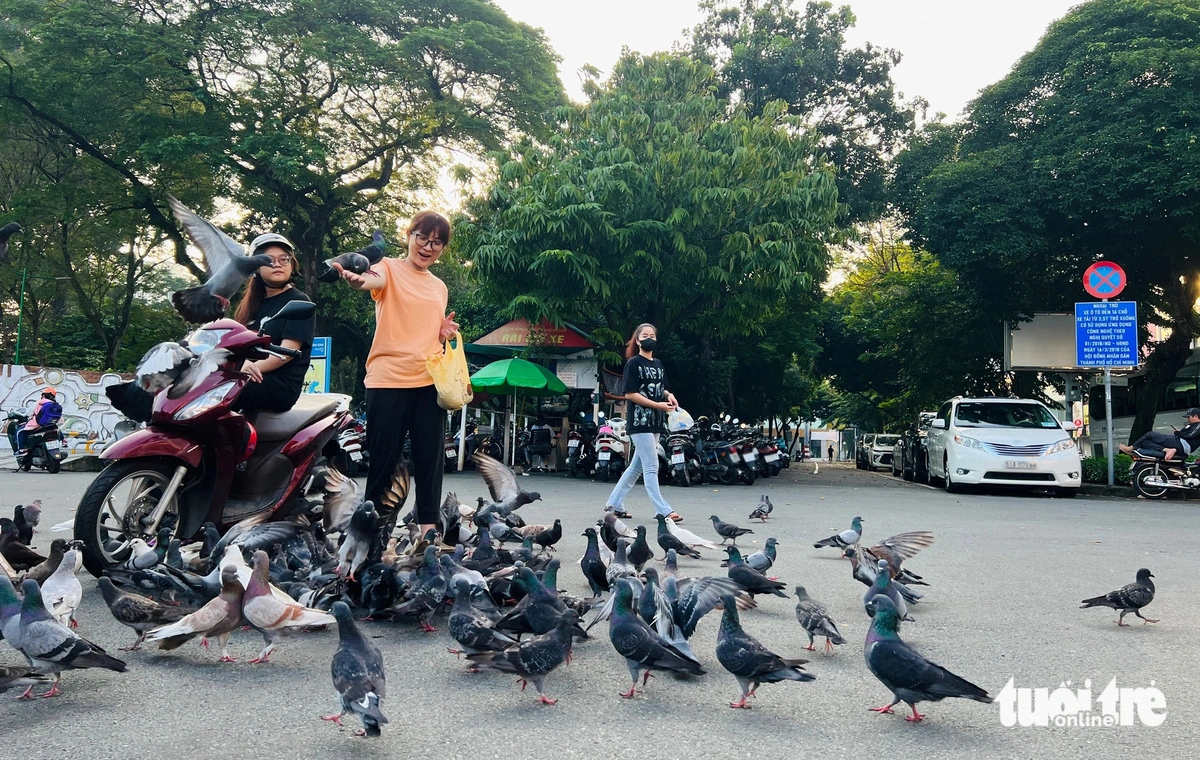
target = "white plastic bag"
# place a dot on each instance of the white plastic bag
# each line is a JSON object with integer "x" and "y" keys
{"x": 679, "y": 421}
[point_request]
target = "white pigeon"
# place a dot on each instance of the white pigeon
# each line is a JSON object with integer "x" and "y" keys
{"x": 62, "y": 592}
{"x": 233, "y": 558}
{"x": 688, "y": 538}
{"x": 618, "y": 527}
{"x": 141, "y": 556}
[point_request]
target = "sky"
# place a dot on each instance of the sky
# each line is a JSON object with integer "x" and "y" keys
{"x": 951, "y": 48}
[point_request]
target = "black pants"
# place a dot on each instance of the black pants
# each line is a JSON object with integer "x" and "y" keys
{"x": 393, "y": 414}
{"x": 264, "y": 396}
{"x": 1156, "y": 443}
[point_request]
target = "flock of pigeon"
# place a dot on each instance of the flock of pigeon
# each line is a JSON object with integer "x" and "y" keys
{"x": 493, "y": 576}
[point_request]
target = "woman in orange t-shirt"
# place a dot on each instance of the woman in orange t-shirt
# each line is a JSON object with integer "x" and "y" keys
{"x": 410, "y": 324}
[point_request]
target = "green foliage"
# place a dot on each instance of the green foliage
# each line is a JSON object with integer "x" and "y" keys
{"x": 1086, "y": 151}
{"x": 656, "y": 202}
{"x": 767, "y": 50}
{"x": 1095, "y": 469}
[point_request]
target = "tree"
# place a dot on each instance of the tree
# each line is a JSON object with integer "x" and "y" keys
{"x": 308, "y": 114}
{"x": 766, "y": 50}
{"x": 1085, "y": 151}
{"x": 656, "y": 202}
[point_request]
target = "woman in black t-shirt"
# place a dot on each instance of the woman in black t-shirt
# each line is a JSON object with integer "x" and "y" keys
{"x": 650, "y": 399}
{"x": 277, "y": 380}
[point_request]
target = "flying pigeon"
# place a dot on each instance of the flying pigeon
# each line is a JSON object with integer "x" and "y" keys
{"x": 763, "y": 510}
{"x": 727, "y": 530}
{"x": 865, "y": 571}
{"x": 910, "y": 677}
{"x": 355, "y": 261}
{"x": 219, "y": 618}
{"x": 138, "y": 612}
{"x": 6, "y": 232}
{"x": 507, "y": 494}
{"x": 815, "y": 620}
{"x": 228, "y": 268}
{"x": 535, "y": 657}
{"x": 669, "y": 542}
{"x": 844, "y": 539}
{"x": 343, "y": 497}
{"x": 748, "y": 660}
{"x": 360, "y": 533}
{"x": 884, "y": 585}
{"x": 271, "y": 616}
{"x": 49, "y": 646}
{"x": 641, "y": 646}
{"x": 1131, "y": 597}
{"x": 162, "y": 365}
{"x": 357, "y": 670}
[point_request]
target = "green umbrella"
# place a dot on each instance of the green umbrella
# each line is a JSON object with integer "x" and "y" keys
{"x": 511, "y": 376}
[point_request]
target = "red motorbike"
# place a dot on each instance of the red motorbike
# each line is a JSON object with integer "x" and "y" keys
{"x": 202, "y": 462}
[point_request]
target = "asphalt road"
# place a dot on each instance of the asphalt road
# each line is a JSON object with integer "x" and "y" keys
{"x": 1007, "y": 572}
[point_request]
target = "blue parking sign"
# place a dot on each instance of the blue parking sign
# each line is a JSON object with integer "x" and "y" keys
{"x": 1106, "y": 334}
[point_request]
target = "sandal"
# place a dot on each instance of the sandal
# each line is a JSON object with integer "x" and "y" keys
{"x": 675, "y": 516}
{"x": 619, "y": 513}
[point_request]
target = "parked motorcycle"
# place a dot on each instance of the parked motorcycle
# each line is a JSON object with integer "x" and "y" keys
{"x": 1154, "y": 478}
{"x": 202, "y": 462}
{"x": 45, "y": 446}
{"x": 612, "y": 448}
{"x": 718, "y": 460}
{"x": 352, "y": 459}
{"x": 581, "y": 451}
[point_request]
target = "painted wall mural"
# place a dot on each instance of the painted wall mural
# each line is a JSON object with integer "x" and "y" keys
{"x": 88, "y": 420}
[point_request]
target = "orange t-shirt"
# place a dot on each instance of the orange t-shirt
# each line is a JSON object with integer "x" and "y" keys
{"x": 409, "y": 309}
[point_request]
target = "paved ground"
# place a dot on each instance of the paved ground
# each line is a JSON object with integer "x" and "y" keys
{"x": 1007, "y": 571}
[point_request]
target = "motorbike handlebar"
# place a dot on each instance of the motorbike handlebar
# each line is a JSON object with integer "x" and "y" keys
{"x": 282, "y": 351}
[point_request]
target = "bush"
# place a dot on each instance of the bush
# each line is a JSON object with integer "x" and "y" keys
{"x": 1095, "y": 469}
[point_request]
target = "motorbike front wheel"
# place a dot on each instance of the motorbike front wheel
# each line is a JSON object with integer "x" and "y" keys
{"x": 572, "y": 468}
{"x": 682, "y": 478}
{"x": 1149, "y": 489}
{"x": 110, "y": 511}
{"x": 747, "y": 476}
{"x": 602, "y": 472}
{"x": 729, "y": 475}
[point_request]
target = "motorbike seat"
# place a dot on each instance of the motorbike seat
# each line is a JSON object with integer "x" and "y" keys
{"x": 280, "y": 426}
{"x": 1157, "y": 456}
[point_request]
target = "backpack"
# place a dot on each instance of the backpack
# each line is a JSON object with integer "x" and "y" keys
{"x": 50, "y": 413}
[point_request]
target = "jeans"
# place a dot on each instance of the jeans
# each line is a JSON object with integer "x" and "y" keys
{"x": 643, "y": 461}
{"x": 22, "y": 434}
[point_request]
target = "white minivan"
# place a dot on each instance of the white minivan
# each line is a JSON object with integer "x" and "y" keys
{"x": 1002, "y": 441}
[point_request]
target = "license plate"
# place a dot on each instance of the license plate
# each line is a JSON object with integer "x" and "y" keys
{"x": 355, "y": 456}
{"x": 677, "y": 458}
{"x": 451, "y": 453}
{"x": 772, "y": 457}
{"x": 572, "y": 444}
{"x": 1016, "y": 464}
{"x": 605, "y": 456}
{"x": 751, "y": 456}
{"x": 733, "y": 457}
{"x": 53, "y": 445}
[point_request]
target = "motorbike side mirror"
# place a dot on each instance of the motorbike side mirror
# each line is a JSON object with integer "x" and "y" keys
{"x": 735, "y": 420}
{"x": 290, "y": 310}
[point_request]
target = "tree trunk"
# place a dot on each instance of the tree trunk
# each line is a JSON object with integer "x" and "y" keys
{"x": 1162, "y": 365}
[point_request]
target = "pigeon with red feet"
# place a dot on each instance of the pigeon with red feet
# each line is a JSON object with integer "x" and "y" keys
{"x": 357, "y": 670}
{"x": 535, "y": 657}
{"x": 748, "y": 660}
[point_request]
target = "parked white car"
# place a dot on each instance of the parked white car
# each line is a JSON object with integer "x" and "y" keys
{"x": 879, "y": 454}
{"x": 1002, "y": 441}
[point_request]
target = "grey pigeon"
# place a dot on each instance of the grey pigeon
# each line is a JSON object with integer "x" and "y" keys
{"x": 884, "y": 585}
{"x": 910, "y": 677}
{"x": 6, "y": 232}
{"x": 33, "y": 512}
{"x": 538, "y": 612}
{"x": 162, "y": 365}
{"x": 357, "y": 671}
{"x": 865, "y": 571}
{"x": 642, "y": 648}
{"x": 1131, "y": 597}
{"x": 16, "y": 677}
{"x": 51, "y": 647}
{"x": 471, "y": 627}
{"x": 141, "y": 556}
{"x": 536, "y": 657}
{"x": 507, "y": 494}
{"x": 814, "y": 619}
{"x": 751, "y": 581}
{"x": 748, "y": 660}
{"x": 667, "y": 541}
{"x": 620, "y": 565}
{"x": 845, "y": 538}
{"x": 761, "y": 560}
{"x": 763, "y": 510}
{"x": 728, "y": 530}
{"x": 228, "y": 268}
{"x": 138, "y": 612}
{"x": 593, "y": 567}
{"x": 355, "y": 261}
{"x": 640, "y": 552}
{"x": 356, "y": 545}
{"x": 218, "y": 618}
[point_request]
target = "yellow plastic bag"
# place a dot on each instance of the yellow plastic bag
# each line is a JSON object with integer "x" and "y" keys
{"x": 450, "y": 375}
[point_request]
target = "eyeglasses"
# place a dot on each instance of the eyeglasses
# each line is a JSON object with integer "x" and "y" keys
{"x": 424, "y": 240}
{"x": 280, "y": 260}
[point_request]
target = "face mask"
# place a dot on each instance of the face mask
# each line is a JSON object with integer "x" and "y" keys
{"x": 649, "y": 344}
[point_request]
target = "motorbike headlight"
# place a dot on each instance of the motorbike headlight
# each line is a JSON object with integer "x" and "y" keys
{"x": 968, "y": 442}
{"x": 1063, "y": 445}
{"x": 205, "y": 402}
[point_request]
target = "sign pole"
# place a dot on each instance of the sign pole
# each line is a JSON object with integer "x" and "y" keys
{"x": 1108, "y": 429}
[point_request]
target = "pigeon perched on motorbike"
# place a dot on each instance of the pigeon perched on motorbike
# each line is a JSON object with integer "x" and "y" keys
{"x": 354, "y": 261}
{"x": 6, "y": 232}
{"x": 228, "y": 268}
